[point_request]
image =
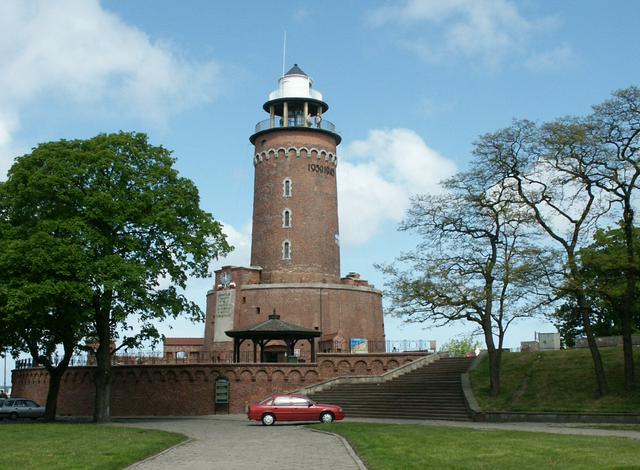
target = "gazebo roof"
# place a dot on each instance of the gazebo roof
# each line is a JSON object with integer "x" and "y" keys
{"x": 274, "y": 328}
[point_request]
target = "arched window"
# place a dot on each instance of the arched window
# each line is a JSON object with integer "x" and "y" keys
{"x": 286, "y": 187}
{"x": 286, "y": 249}
{"x": 286, "y": 218}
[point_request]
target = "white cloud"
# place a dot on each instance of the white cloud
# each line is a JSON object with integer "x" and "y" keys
{"x": 80, "y": 52}
{"x": 559, "y": 57}
{"x": 8, "y": 150}
{"x": 377, "y": 176}
{"x": 240, "y": 239}
{"x": 486, "y": 30}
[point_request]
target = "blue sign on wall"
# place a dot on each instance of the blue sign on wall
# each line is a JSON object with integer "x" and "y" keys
{"x": 359, "y": 346}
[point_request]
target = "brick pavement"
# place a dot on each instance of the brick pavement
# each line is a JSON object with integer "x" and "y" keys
{"x": 232, "y": 442}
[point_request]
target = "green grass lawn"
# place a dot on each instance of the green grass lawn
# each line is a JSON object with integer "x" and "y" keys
{"x": 556, "y": 381}
{"x": 78, "y": 446}
{"x": 407, "y": 447}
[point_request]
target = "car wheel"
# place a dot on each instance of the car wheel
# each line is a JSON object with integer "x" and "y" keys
{"x": 13, "y": 416}
{"x": 268, "y": 419}
{"x": 326, "y": 417}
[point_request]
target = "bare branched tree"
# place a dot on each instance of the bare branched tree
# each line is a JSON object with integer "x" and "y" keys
{"x": 474, "y": 262}
{"x": 553, "y": 170}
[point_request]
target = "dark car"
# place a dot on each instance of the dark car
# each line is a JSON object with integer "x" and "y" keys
{"x": 293, "y": 407}
{"x": 14, "y": 408}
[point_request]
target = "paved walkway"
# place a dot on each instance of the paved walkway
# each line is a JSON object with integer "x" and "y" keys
{"x": 232, "y": 442}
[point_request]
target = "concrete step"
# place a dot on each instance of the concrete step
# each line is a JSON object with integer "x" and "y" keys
{"x": 396, "y": 395}
{"x": 387, "y": 400}
{"x": 433, "y": 391}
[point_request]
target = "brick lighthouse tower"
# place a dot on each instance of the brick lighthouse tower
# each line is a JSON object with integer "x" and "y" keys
{"x": 295, "y": 230}
{"x": 295, "y": 250}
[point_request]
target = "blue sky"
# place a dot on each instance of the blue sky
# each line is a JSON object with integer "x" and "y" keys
{"x": 410, "y": 86}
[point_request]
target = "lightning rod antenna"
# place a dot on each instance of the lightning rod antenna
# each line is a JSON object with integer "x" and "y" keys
{"x": 284, "y": 51}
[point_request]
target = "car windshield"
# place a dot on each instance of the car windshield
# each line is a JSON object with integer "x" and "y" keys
{"x": 266, "y": 401}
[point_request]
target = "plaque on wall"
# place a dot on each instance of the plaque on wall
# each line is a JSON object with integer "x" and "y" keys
{"x": 359, "y": 346}
{"x": 225, "y": 308}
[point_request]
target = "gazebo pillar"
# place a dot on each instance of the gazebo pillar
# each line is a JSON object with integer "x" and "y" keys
{"x": 262, "y": 343}
{"x": 236, "y": 350}
{"x": 312, "y": 342}
{"x": 255, "y": 351}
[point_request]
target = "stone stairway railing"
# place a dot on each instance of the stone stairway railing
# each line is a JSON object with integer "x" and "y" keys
{"x": 373, "y": 379}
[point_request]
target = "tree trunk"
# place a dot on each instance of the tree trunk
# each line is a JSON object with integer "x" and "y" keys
{"x": 102, "y": 377}
{"x": 102, "y": 403}
{"x": 629, "y": 305}
{"x": 494, "y": 371}
{"x": 601, "y": 380}
{"x": 494, "y": 359}
{"x": 584, "y": 309}
{"x": 55, "y": 378}
{"x": 627, "y": 351}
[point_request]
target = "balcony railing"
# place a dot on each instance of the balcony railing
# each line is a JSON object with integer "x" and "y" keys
{"x": 295, "y": 122}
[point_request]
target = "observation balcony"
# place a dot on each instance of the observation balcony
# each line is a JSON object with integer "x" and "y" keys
{"x": 297, "y": 123}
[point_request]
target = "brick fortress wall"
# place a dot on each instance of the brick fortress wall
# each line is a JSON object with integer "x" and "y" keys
{"x": 188, "y": 389}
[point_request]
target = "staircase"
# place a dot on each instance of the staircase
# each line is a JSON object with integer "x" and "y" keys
{"x": 430, "y": 392}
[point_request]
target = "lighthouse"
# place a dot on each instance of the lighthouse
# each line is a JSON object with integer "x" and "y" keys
{"x": 295, "y": 235}
{"x": 295, "y": 245}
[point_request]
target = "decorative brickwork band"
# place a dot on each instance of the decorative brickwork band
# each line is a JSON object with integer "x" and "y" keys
{"x": 295, "y": 152}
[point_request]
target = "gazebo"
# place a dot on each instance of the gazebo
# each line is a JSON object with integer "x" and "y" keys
{"x": 272, "y": 329}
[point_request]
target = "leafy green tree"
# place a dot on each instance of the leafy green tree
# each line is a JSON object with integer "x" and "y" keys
{"x": 602, "y": 266}
{"x": 129, "y": 232}
{"x": 615, "y": 125}
{"x": 474, "y": 262}
{"x": 42, "y": 304}
{"x": 461, "y": 346}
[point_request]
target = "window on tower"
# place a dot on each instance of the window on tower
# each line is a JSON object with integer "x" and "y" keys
{"x": 286, "y": 187}
{"x": 286, "y": 249}
{"x": 286, "y": 218}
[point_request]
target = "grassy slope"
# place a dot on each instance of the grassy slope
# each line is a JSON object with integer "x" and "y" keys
{"x": 556, "y": 381}
{"x": 78, "y": 446}
{"x": 406, "y": 447}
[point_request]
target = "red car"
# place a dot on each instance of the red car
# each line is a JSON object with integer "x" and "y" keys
{"x": 293, "y": 407}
